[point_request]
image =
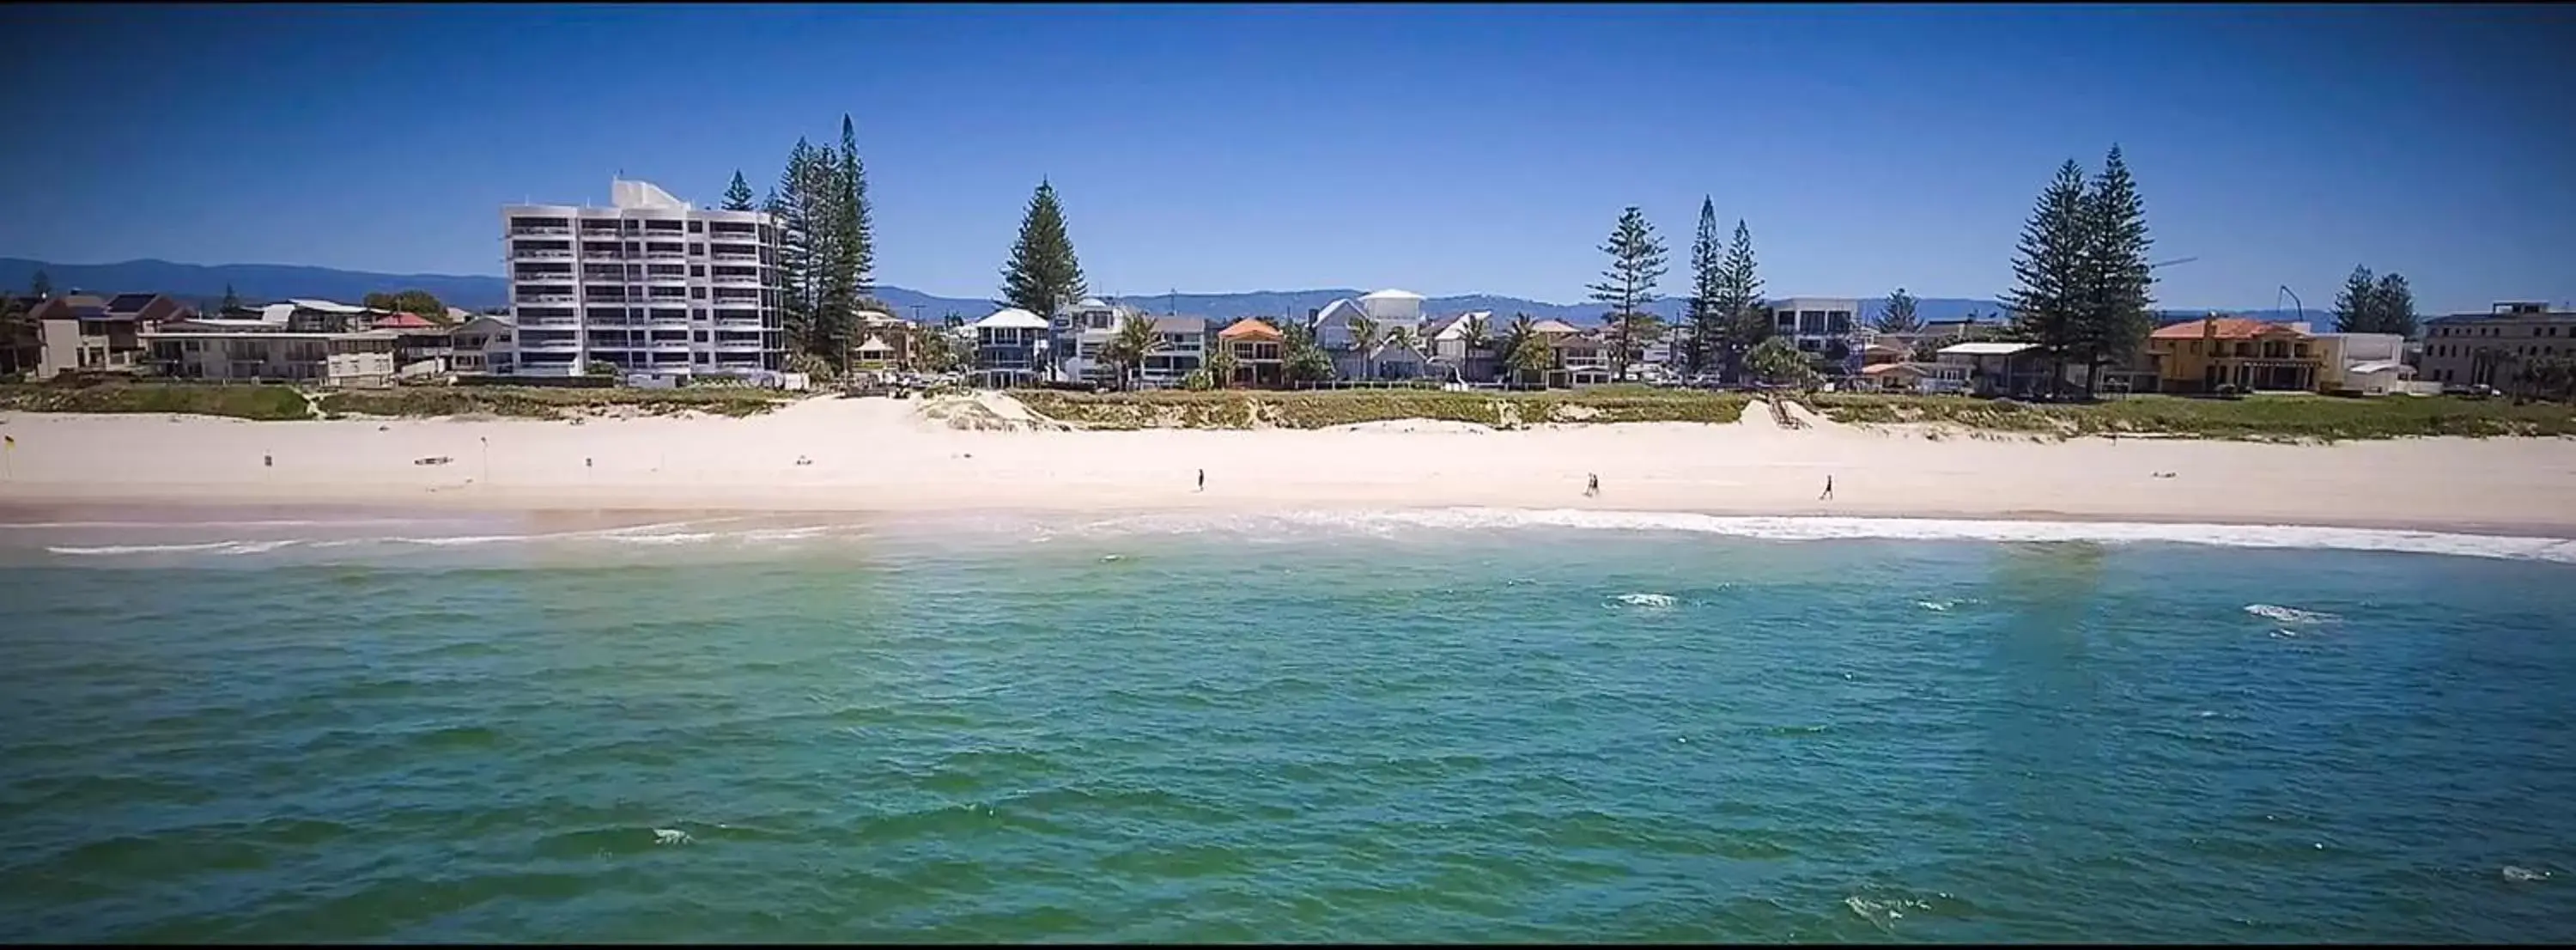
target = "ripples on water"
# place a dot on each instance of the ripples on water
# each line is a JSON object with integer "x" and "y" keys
{"x": 1413, "y": 732}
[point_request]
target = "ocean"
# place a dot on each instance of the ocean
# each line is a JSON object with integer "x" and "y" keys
{"x": 1392, "y": 726}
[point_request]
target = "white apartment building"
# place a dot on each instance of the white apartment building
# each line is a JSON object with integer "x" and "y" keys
{"x": 646, "y": 285}
{"x": 1821, "y": 326}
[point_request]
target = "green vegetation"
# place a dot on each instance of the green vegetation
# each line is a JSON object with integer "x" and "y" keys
{"x": 280, "y": 403}
{"x": 531, "y": 402}
{"x": 1043, "y": 272}
{"x": 2384, "y": 305}
{"x": 1240, "y": 409}
{"x": 1628, "y": 284}
{"x": 2260, "y": 418}
{"x": 419, "y": 303}
{"x": 236, "y": 402}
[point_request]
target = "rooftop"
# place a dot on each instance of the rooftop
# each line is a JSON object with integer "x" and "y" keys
{"x": 2223, "y": 328}
{"x": 1995, "y": 348}
{"x": 1011, "y": 318}
{"x": 1249, "y": 328}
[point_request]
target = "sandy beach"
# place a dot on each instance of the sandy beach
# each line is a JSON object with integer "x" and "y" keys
{"x": 834, "y": 454}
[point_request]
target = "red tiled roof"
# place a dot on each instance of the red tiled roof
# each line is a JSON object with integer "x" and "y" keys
{"x": 1249, "y": 329}
{"x": 2226, "y": 328}
{"x": 405, "y": 321}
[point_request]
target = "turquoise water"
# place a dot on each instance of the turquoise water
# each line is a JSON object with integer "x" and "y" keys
{"x": 1470, "y": 728}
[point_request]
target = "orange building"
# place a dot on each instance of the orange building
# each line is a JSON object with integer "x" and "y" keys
{"x": 1255, "y": 346}
{"x": 2206, "y": 355}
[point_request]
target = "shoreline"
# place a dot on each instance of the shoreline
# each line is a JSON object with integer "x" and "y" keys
{"x": 883, "y": 457}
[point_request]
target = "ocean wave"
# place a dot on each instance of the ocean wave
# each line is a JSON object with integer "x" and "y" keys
{"x": 1655, "y": 601}
{"x": 1400, "y": 522}
{"x": 2288, "y": 614}
{"x": 206, "y": 547}
{"x": 652, "y": 535}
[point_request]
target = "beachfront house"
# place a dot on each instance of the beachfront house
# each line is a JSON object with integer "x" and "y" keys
{"x": 483, "y": 346}
{"x": 79, "y": 334}
{"x": 1451, "y": 353}
{"x": 879, "y": 342}
{"x": 1396, "y": 359}
{"x": 2234, "y": 354}
{"x": 1080, "y": 332}
{"x": 257, "y": 351}
{"x": 2366, "y": 364}
{"x": 1821, "y": 327}
{"x": 1010, "y": 347}
{"x": 1184, "y": 350}
{"x": 1336, "y": 333}
{"x": 1994, "y": 368}
{"x": 1256, "y": 347}
{"x": 1577, "y": 359}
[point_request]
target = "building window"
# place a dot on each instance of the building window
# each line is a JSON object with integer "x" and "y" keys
{"x": 697, "y": 227}
{"x": 697, "y": 249}
{"x": 697, "y": 293}
{"x": 697, "y": 270}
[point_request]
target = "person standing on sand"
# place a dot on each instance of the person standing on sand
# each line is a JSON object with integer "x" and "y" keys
{"x": 1829, "y": 490}
{"x": 1203, "y": 479}
{"x": 1592, "y": 485}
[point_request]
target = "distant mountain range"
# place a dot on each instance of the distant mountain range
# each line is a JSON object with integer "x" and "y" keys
{"x": 256, "y": 283}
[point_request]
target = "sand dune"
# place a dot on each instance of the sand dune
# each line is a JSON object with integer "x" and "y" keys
{"x": 885, "y": 454}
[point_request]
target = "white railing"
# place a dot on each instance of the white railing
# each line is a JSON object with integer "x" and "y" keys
{"x": 540, "y": 231}
{"x": 541, "y": 252}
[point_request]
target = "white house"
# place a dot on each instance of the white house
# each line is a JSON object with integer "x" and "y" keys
{"x": 1184, "y": 350}
{"x": 2371, "y": 363}
{"x": 1388, "y": 309}
{"x": 1080, "y": 330}
{"x": 1010, "y": 346}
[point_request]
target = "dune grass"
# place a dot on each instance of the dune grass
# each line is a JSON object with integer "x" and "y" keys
{"x": 1247, "y": 409}
{"x": 2285, "y": 418}
{"x": 265, "y": 403}
{"x": 279, "y": 403}
{"x": 535, "y": 402}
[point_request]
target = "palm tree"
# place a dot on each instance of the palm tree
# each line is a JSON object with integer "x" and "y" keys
{"x": 1407, "y": 338}
{"x": 1221, "y": 365}
{"x": 1524, "y": 350}
{"x": 1364, "y": 336}
{"x": 1136, "y": 339}
{"x": 1478, "y": 336}
{"x": 1779, "y": 361}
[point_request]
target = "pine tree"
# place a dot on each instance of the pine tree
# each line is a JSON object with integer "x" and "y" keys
{"x": 2395, "y": 303}
{"x": 2118, "y": 284}
{"x": 737, "y": 196}
{"x": 860, "y": 223}
{"x": 2356, "y": 309}
{"x": 1707, "y": 323}
{"x": 232, "y": 301}
{"x": 2048, "y": 303}
{"x": 796, "y": 258}
{"x": 1043, "y": 273}
{"x": 1898, "y": 317}
{"x": 1739, "y": 300}
{"x": 41, "y": 287}
{"x": 1636, "y": 262}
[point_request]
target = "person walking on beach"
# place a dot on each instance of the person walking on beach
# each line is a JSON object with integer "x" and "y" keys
{"x": 1592, "y": 485}
{"x": 1829, "y": 490}
{"x": 1203, "y": 479}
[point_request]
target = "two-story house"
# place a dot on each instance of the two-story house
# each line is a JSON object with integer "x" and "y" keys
{"x": 1256, "y": 347}
{"x": 2206, "y": 355}
{"x": 1822, "y": 327}
{"x": 1010, "y": 347}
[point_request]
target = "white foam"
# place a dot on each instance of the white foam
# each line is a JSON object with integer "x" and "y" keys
{"x": 1646, "y": 600}
{"x": 208, "y": 547}
{"x": 1435, "y": 521}
{"x": 1936, "y": 606}
{"x": 671, "y": 836}
{"x": 2288, "y": 614}
{"x": 2521, "y": 875}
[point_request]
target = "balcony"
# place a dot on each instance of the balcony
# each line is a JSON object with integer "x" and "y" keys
{"x": 539, "y": 231}
{"x": 666, "y": 255}
{"x": 738, "y": 346}
{"x": 548, "y": 346}
{"x": 549, "y": 321}
{"x": 553, "y": 298}
{"x": 734, "y": 237}
{"x": 526, "y": 253}
{"x": 745, "y": 256}
{"x": 736, "y": 280}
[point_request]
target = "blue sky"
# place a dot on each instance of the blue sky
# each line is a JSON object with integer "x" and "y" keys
{"x": 1442, "y": 149}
